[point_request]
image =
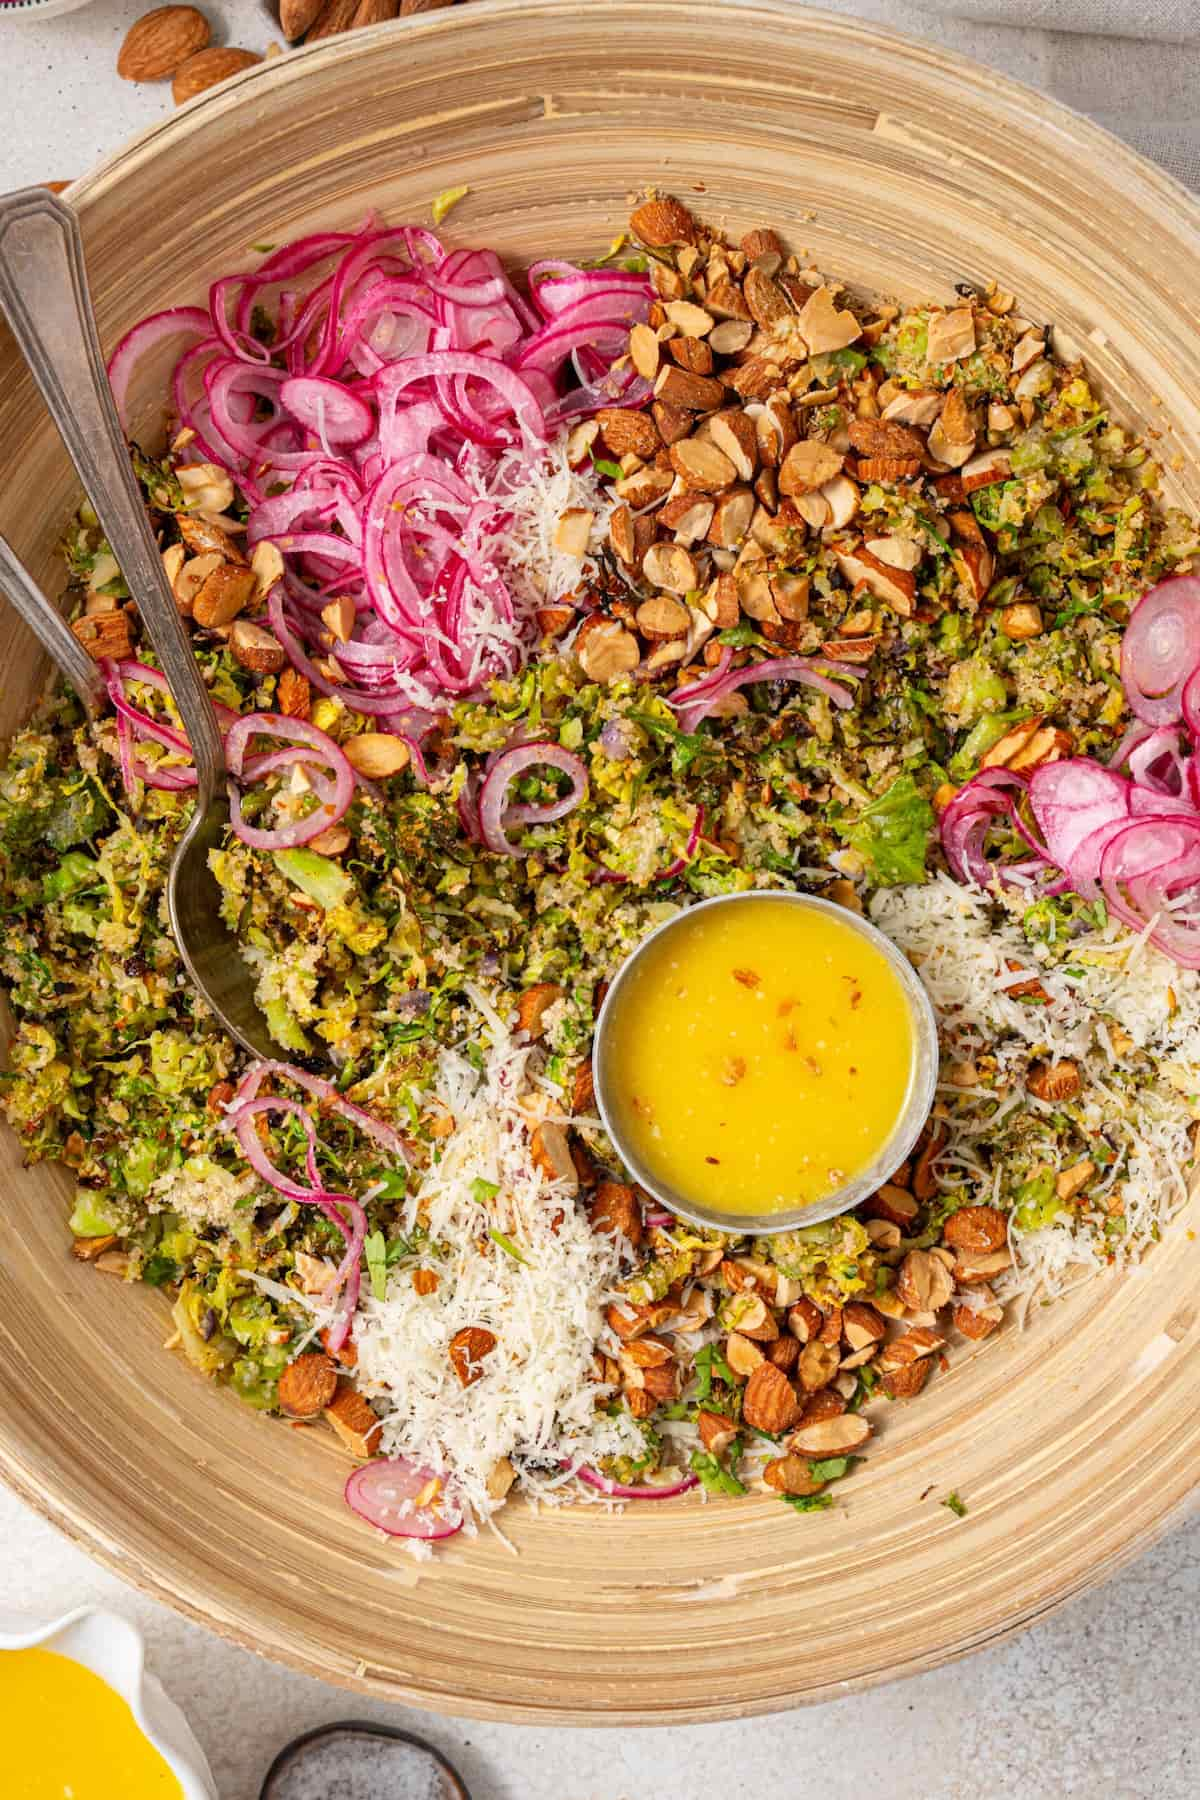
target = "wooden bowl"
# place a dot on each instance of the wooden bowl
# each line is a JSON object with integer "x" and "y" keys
{"x": 1072, "y": 1442}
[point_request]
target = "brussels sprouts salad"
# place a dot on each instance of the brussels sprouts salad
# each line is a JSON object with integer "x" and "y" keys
{"x": 533, "y": 614}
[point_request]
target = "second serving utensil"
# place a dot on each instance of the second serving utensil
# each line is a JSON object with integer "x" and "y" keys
{"x": 44, "y": 297}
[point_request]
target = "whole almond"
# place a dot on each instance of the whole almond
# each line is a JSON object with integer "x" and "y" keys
{"x": 295, "y": 17}
{"x": 208, "y": 68}
{"x": 335, "y": 17}
{"x": 769, "y": 1402}
{"x": 663, "y": 222}
{"x": 156, "y": 44}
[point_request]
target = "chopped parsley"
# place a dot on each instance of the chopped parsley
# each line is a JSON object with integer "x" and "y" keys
{"x": 714, "y": 1477}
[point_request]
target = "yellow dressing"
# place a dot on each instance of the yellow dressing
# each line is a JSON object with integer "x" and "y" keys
{"x": 760, "y": 1056}
{"x": 66, "y": 1735}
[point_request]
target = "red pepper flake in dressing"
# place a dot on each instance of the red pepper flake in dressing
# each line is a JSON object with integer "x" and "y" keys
{"x": 733, "y": 1070}
{"x": 749, "y": 978}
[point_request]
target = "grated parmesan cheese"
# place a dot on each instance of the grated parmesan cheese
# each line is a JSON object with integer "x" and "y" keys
{"x": 535, "y": 1403}
{"x": 535, "y": 495}
{"x": 1123, "y": 1013}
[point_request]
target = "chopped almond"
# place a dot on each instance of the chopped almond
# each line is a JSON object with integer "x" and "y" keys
{"x": 978, "y": 1321}
{"x": 500, "y": 1479}
{"x": 551, "y": 1153}
{"x": 583, "y": 1096}
{"x": 791, "y": 1474}
{"x": 89, "y": 1248}
{"x": 761, "y": 242}
{"x": 742, "y": 1354}
{"x": 702, "y": 466}
{"x": 923, "y": 1282}
{"x": 951, "y": 336}
{"x": 294, "y": 694}
{"x": 467, "y": 1350}
{"x": 573, "y": 531}
{"x": 925, "y": 1184}
{"x": 805, "y": 1320}
{"x": 807, "y": 466}
{"x": 1054, "y": 1081}
{"x": 980, "y": 1227}
{"x": 679, "y": 387}
{"x": 614, "y": 1211}
{"x": 831, "y": 1437}
{"x": 817, "y": 1366}
{"x": 826, "y": 1403}
{"x": 894, "y": 1203}
{"x": 534, "y": 1004}
{"x": 307, "y": 1386}
{"x": 346, "y": 1355}
{"x": 354, "y": 1420}
{"x": 879, "y": 437}
{"x": 902, "y": 1383}
{"x": 717, "y": 1431}
{"x": 823, "y": 327}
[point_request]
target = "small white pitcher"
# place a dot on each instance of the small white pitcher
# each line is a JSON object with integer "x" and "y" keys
{"x": 113, "y": 1649}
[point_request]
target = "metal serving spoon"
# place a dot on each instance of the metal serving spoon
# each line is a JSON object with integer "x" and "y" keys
{"x": 44, "y": 296}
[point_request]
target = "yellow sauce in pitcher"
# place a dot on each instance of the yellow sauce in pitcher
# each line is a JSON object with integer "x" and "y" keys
{"x": 66, "y": 1735}
{"x": 760, "y": 1056}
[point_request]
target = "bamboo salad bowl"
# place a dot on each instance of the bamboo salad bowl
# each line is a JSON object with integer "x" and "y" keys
{"x": 1074, "y": 1441}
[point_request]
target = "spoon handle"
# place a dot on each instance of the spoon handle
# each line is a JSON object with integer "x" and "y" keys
{"x": 44, "y": 296}
{"x": 50, "y": 628}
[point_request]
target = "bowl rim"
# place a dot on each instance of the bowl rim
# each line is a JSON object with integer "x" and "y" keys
{"x": 918, "y": 1097}
{"x": 1027, "y": 108}
{"x": 364, "y": 1728}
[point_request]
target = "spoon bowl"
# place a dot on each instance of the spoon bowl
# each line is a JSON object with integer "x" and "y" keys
{"x": 44, "y": 296}
{"x": 209, "y": 949}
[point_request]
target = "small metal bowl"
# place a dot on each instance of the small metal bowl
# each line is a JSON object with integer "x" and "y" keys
{"x": 921, "y": 1086}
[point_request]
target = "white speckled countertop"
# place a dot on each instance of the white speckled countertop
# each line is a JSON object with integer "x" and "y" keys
{"x": 1097, "y": 1701}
